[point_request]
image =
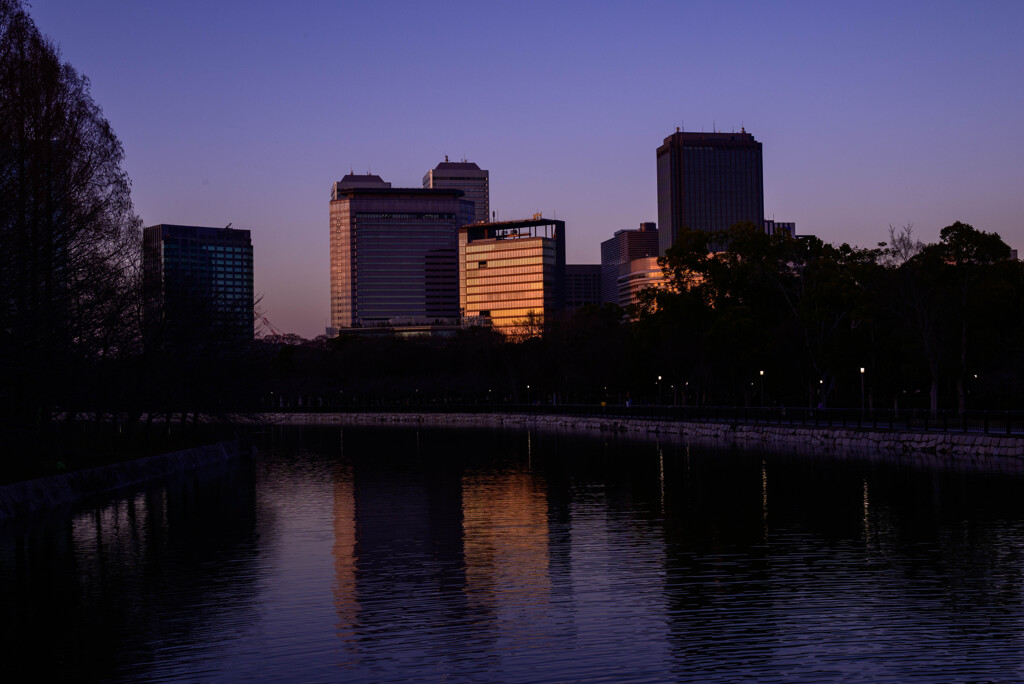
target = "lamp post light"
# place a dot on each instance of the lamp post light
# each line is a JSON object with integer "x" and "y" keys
{"x": 527, "y": 394}
{"x": 762, "y": 388}
{"x": 862, "y": 390}
{"x": 659, "y": 390}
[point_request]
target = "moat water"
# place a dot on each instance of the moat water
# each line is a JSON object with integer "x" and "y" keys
{"x": 370, "y": 555}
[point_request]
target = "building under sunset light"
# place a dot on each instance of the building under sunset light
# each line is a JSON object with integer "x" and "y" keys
{"x": 511, "y": 272}
{"x": 394, "y": 253}
{"x": 469, "y": 178}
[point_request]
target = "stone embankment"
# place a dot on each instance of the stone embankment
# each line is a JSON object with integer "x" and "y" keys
{"x": 971, "y": 447}
{"x": 68, "y": 488}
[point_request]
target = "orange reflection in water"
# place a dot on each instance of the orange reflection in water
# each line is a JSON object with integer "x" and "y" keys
{"x": 505, "y": 538}
{"x": 344, "y": 551}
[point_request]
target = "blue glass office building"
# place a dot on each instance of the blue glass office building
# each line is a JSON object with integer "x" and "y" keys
{"x": 198, "y": 283}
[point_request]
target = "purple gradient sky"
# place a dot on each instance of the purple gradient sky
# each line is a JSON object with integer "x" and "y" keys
{"x": 870, "y": 114}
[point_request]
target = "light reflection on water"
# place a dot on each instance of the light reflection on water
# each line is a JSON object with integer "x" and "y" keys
{"x": 421, "y": 555}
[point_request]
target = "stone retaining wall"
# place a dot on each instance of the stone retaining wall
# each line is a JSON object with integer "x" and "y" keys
{"x": 60, "y": 490}
{"x": 955, "y": 446}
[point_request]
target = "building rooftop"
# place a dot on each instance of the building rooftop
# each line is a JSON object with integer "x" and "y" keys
{"x": 457, "y": 166}
{"x": 388, "y": 191}
{"x": 356, "y": 180}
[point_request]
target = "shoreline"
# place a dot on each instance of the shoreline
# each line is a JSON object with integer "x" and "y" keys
{"x": 28, "y": 497}
{"x": 973, "y": 451}
{"x": 958, "y": 447}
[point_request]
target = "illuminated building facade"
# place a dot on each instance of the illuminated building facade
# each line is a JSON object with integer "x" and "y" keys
{"x": 394, "y": 253}
{"x": 198, "y": 284}
{"x": 620, "y": 249}
{"x": 469, "y": 178}
{"x": 512, "y": 271}
{"x": 708, "y": 182}
{"x": 636, "y": 276}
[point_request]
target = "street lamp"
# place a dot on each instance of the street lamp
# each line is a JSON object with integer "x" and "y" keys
{"x": 659, "y": 390}
{"x": 862, "y": 389}
{"x": 527, "y": 394}
{"x": 762, "y": 388}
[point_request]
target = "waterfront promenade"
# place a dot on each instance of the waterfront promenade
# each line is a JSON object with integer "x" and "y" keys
{"x": 985, "y": 441}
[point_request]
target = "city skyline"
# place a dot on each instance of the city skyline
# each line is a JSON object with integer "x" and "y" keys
{"x": 870, "y": 116}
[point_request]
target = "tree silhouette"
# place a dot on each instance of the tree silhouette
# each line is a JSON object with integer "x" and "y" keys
{"x": 69, "y": 239}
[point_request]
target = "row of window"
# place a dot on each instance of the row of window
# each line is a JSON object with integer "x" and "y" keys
{"x": 514, "y": 297}
{"x": 510, "y": 247}
{"x": 516, "y": 314}
{"x": 505, "y": 279}
{"x": 404, "y": 216}
{"x": 502, "y": 262}
{"x": 494, "y": 271}
{"x": 514, "y": 288}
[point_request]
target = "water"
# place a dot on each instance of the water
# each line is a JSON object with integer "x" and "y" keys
{"x": 427, "y": 555}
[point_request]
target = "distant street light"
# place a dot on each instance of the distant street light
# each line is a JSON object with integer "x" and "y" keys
{"x": 527, "y": 394}
{"x": 762, "y": 388}
{"x": 862, "y": 389}
{"x": 659, "y": 390}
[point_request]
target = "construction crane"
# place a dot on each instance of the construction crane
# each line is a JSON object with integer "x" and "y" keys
{"x": 264, "y": 328}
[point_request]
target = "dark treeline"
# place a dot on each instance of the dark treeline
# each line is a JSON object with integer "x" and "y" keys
{"x": 770, "y": 320}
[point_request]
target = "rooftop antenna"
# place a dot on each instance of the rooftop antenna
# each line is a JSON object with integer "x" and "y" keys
{"x": 227, "y": 227}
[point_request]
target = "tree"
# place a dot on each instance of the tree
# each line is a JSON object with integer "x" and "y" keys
{"x": 69, "y": 238}
{"x": 969, "y": 256}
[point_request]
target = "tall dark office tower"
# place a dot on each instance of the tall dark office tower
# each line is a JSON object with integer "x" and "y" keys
{"x": 198, "y": 284}
{"x": 394, "y": 252}
{"x": 467, "y": 177}
{"x": 619, "y": 250}
{"x": 708, "y": 181}
{"x": 582, "y": 285}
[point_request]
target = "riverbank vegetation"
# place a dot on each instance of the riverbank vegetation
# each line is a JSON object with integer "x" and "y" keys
{"x": 770, "y": 320}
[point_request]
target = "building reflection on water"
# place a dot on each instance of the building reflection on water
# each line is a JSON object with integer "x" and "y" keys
{"x": 416, "y": 547}
{"x": 505, "y": 537}
{"x": 501, "y": 556}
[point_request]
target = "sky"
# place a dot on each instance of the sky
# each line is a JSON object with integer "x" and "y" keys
{"x": 870, "y": 114}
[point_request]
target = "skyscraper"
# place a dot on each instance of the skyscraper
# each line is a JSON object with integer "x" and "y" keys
{"x": 709, "y": 182}
{"x": 582, "y": 285}
{"x": 619, "y": 250}
{"x": 469, "y": 178}
{"x": 198, "y": 284}
{"x": 394, "y": 252}
{"x": 511, "y": 271}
